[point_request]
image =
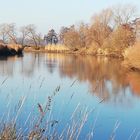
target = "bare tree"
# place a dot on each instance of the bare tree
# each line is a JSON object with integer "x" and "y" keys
{"x": 104, "y": 17}
{"x": 62, "y": 33}
{"x": 100, "y": 28}
{"x": 71, "y": 37}
{"x": 3, "y": 33}
{"x": 32, "y": 35}
{"x": 10, "y": 31}
{"x": 124, "y": 14}
{"x": 24, "y": 33}
{"x": 39, "y": 39}
{"x": 83, "y": 30}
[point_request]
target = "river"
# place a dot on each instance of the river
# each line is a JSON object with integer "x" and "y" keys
{"x": 98, "y": 87}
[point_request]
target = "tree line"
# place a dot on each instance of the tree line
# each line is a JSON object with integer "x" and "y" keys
{"x": 109, "y": 28}
{"x": 25, "y": 34}
{"x": 112, "y": 27}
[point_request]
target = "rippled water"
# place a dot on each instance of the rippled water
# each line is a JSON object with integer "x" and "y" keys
{"x": 100, "y": 86}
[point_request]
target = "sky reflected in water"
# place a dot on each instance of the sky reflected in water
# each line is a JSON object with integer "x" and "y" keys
{"x": 99, "y": 84}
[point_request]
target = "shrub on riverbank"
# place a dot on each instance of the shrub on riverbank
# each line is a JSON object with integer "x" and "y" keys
{"x": 10, "y": 49}
{"x": 122, "y": 37}
{"x": 132, "y": 57}
{"x": 101, "y": 51}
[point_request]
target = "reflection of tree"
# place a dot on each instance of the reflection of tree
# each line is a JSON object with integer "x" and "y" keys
{"x": 50, "y": 62}
{"x": 27, "y": 65}
{"x": 30, "y": 63}
{"x": 134, "y": 80}
{"x": 7, "y": 65}
{"x": 107, "y": 78}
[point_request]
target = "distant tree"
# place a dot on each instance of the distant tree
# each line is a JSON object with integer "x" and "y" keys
{"x": 32, "y": 34}
{"x": 51, "y": 37}
{"x": 124, "y": 14}
{"x": 123, "y": 34}
{"x": 62, "y": 33}
{"x": 39, "y": 39}
{"x": 100, "y": 28}
{"x": 74, "y": 37}
{"x": 24, "y": 33}
{"x": 8, "y": 33}
{"x": 3, "y": 33}
{"x": 122, "y": 37}
{"x": 83, "y": 31}
{"x": 71, "y": 38}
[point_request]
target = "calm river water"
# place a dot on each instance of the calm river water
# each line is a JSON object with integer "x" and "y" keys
{"x": 100, "y": 86}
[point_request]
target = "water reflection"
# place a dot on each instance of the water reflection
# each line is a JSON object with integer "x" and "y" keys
{"x": 93, "y": 80}
{"x": 134, "y": 81}
{"x": 107, "y": 79}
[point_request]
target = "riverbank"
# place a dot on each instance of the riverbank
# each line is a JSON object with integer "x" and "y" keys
{"x": 95, "y": 79}
{"x": 130, "y": 55}
{"x": 10, "y": 49}
{"x": 95, "y": 51}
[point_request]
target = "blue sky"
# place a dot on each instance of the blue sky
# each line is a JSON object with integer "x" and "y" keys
{"x": 46, "y": 14}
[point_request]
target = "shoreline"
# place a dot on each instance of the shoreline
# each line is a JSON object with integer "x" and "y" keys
{"x": 125, "y": 61}
{"x": 10, "y": 49}
{"x": 100, "y": 52}
{"x": 73, "y": 52}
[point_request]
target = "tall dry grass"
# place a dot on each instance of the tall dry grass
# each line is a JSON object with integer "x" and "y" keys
{"x": 56, "y": 48}
{"x": 132, "y": 57}
{"x": 44, "y": 126}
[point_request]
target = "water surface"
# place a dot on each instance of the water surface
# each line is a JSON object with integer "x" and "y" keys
{"x": 100, "y": 85}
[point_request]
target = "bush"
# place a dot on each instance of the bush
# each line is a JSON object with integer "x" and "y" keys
{"x": 132, "y": 57}
{"x": 121, "y": 38}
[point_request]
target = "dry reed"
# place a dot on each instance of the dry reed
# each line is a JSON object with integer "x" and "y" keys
{"x": 57, "y": 48}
